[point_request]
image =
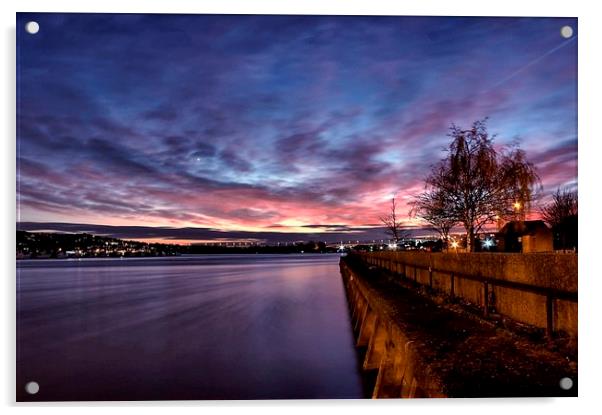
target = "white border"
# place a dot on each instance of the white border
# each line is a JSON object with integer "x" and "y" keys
{"x": 357, "y": 7}
{"x": 590, "y": 137}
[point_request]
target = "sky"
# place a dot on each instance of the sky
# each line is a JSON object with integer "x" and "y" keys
{"x": 192, "y": 128}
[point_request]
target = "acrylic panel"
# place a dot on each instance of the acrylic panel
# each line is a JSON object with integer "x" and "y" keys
{"x": 295, "y": 207}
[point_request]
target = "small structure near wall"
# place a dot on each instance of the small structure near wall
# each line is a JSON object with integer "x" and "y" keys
{"x": 525, "y": 236}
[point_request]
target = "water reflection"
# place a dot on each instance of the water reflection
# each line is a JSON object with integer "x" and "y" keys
{"x": 211, "y": 327}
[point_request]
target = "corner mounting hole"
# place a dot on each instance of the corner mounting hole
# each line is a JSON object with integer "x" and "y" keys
{"x": 32, "y": 388}
{"x": 566, "y": 32}
{"x": 32, "y": 27}
{"x": 566, "y": 383}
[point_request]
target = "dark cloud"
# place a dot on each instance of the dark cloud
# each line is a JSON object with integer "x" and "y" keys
{"x": 560, "y": 153}
{"x": 164, "y": 114}
{"x": 115, "y": 156}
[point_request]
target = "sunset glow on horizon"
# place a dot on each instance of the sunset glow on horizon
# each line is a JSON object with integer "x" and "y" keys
{"x": 244, "y": 127}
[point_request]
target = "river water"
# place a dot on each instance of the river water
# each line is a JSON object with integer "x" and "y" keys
{"x": 190, "y": 327}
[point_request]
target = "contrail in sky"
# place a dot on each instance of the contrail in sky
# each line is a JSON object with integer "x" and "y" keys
{"x": 533, "y": 62}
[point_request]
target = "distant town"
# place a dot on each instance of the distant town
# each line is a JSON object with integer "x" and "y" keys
{"x": 46, "y": 245}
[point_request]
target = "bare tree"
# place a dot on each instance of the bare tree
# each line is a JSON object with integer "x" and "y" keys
{"x": 393, "y": 226}
{"x": 478, "y": 184}
{"x": 434, "y": 207}
{"x": 562, "y": 206}
{"x": 561, "y": 215}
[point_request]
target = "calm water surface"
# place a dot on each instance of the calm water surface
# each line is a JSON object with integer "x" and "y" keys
{"x": 192, "y": 327}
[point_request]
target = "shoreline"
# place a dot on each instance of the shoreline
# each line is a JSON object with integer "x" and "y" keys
{"x": 180, "y": 256}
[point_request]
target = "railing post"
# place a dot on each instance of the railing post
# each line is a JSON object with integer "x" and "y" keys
{"x": 549, "y": 316}
{"x": 486, "y": 299}
{"x": 430, "y": 277}
{"x": 452, "y": 286}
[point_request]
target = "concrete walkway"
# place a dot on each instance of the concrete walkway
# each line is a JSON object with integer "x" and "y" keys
{"x": 464, "y": 355}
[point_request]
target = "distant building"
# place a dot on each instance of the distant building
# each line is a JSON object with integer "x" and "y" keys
{"x": 525, "y": 236}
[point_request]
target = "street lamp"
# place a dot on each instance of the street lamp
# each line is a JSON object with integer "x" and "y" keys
{"x": 520, "y": 213}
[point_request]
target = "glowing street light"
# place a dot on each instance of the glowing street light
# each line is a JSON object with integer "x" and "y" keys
{"x": 454, "y": 244}
{"x": 517, "y": 205}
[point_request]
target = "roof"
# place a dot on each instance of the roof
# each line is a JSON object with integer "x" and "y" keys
{"x": 527, "y": 227}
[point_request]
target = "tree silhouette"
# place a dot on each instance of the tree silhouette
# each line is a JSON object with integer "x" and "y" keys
{"x": 393, "y": 226}
{"x": 434, "y": 207}
{"x": 476, "y": 184}
{"x": 561, "y": 215}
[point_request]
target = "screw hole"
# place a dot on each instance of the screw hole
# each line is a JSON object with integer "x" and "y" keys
{"x": 32, "y": 27}
{"x": 32, "y": 388}
{"x": 566, "y": 32}
{"x": 566, "y": 383}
